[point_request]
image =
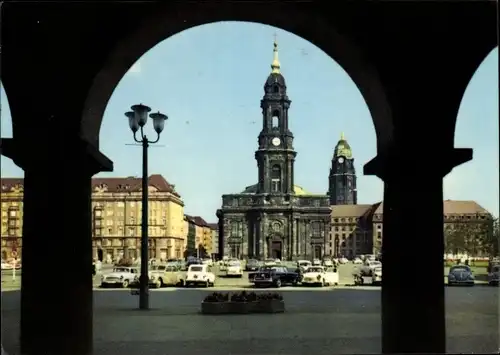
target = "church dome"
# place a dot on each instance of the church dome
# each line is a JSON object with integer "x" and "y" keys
{"x": 298, "y": 190}
{"x": 343, "y": 148}
{"x": 275, "y": 78}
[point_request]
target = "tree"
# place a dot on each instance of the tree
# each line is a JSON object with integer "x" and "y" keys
{"x": 454, "y": 238}
{"x": 202, "y": 252}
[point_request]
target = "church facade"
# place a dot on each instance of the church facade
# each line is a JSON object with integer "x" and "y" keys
{"x": 274, "y": 218}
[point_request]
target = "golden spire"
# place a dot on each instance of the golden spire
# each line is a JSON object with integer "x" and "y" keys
{"x": 275, "y": 66}
{"x": 342, "y": 136}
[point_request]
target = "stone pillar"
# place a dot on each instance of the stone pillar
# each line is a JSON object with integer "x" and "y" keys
{"x": 48, "y": 218}
{"x": 245, "y": 252}
{"x": 407, "y": 306}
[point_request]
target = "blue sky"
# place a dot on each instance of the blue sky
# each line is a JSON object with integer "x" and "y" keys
{"x": 209, "y": 81}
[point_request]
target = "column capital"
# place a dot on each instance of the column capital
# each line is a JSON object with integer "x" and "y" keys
{"x": 402, "y": 162}
{"x": 61, "y": 153}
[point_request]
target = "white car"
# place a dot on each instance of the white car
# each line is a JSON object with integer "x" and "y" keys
{"x": 304, "y": 264}
{"x": 377, "y": 275}
{"x": 319, "y": 276}
{"x": 494, "y": 276}
{"x": 6, "y": 266}
{"x": 121, "y": 276}
{"x": 316, "y": 262}
{"x": 234, "y": 269}
{"x": 269, "y": 262}
{"x": 327, "y": 263}
{"x": 200, "y": 275}
{"x": 357, "y": 261}
{"x": 343, "y": 261}
{"x": 369, "y": 266}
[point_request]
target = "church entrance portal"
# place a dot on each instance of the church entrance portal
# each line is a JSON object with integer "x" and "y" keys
{"x": 317, "y": 252}
{"x": 276, "y": 249}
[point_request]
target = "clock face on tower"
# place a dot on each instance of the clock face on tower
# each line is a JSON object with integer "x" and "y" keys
{"x": 340, "y": 160}
{"x": 276, "y": 141}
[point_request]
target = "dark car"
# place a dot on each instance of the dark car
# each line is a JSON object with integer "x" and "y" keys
{"x": 193, "y": 261}
{"x": 252, "y": 265}
{"x": 273, "y": 276}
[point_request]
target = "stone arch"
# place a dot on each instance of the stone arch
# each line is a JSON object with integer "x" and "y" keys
{"x": 481, "y": 56}
{"x": 173, "y": 18}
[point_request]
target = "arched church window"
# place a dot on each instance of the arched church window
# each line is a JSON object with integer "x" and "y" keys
{"x": 276, "y": 119}
{"x": 276, "y": 178}
{"x": 276, "y": 89}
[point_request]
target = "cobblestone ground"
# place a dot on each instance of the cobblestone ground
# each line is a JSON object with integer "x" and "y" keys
{"x": 344, "y": 320}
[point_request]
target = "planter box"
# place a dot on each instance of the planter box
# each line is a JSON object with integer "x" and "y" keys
{"x": 239, "y": 307}
{"x": 269, "y": 306}
{"x": 215, "y": 307}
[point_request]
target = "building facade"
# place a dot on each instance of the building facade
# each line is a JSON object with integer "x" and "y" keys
{"x": 199, "y": 239}
{"x": 274, "y": 218}
{"x": 12, "y": 217}
{"x": 214, "y": 227}
{"x": 116, "y": 222}
{"x": 359, "y": 229}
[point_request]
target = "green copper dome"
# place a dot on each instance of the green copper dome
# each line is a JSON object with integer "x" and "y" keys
{"x": 343, "y": 148}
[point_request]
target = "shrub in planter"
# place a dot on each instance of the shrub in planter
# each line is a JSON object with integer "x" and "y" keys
{"x": 216, "y": 297}
{"x": 215, "y": 303}
{"x": 270, "y": 303}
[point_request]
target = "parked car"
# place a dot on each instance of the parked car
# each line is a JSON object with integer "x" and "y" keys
{"x": 320, "y": 276}
{"x": 327, "y": 263}
{"x": 200, "y": 275}
{"x": 166, "y": 275}
{"x": 316, "y": 262}
{"x": 252, "y": 265}
{"x": 234, "y": 269}
{"x": 274, "y": 276}
{"x": 460, "y": 275}
{"x": 343, "y": 260}
{"x": 357, "y": 261}
{"x": 303, "y": 264}
{"x": 377, "y": 275}
{"x": 494, "y": 276}
{"x": 121, "y": 276}
{"x": 269, "y": 262}
{"x": 6, "y": 266}
{"x": 369, "y": 266}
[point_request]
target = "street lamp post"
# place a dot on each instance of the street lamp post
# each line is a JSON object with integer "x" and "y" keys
{"x": 137, "y": 119}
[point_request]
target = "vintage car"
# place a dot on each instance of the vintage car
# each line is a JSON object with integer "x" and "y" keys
{"x": 234, "y": 269}
{"x": 327, "y": 263}
{"x": 252, "y": 265}
{"x": 316, "y": 262}
{"x": 166, "y": 275}
{"x": 357, "y": 261}
{"x": 494, "y": 275}
{"x": 369, "y": 266}
{"x": 377, "y": 275}
{"x": 269, "y": 262}
{"x": 303, "y": 264}
{"x": 320, "y": 276}
{"x": 200, "y": 275}
{"x": 460, "y": 275}
{"x": 121, "y": 276}
{"x": 274, "y": 276}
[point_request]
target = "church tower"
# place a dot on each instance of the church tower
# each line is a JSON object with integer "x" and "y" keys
{"x": 275, "y": 155}
{"x": 342, "y": 178}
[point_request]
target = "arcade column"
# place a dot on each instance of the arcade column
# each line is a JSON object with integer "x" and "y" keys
{"x": 407, "y": 306}
{"x": 57, "y": 222}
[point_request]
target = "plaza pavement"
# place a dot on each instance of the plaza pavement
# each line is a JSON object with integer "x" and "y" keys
{"x": 344, "y": 320}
